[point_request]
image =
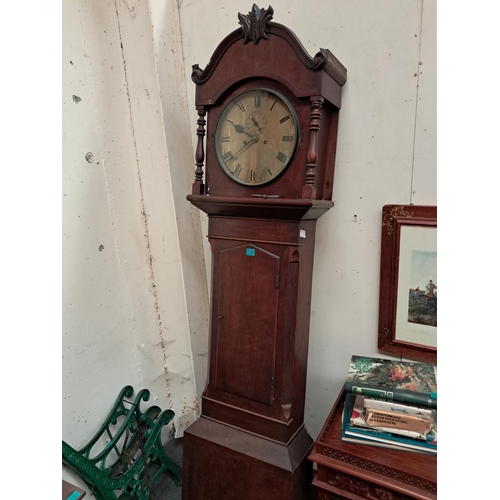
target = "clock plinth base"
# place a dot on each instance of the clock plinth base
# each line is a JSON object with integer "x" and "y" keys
{"x": 222, "y": 462}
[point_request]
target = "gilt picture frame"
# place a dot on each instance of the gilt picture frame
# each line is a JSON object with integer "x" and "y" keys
{"x": 408, "y": 282}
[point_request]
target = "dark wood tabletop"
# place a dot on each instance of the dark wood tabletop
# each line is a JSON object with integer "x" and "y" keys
{"x": 361, "y": 469}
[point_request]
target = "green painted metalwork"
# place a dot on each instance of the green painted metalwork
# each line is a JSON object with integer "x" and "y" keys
{"x": 117, "y": 463}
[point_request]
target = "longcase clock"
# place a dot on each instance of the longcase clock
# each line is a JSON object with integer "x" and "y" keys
{"x": 269, "y": 112}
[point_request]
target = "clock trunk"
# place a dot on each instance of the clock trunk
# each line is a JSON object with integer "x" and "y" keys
{"x": 261, "y": 284}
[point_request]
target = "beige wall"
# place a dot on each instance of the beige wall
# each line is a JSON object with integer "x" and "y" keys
{"x": 136, "y": 311}
{"x": 386, "y": 154}
{"x": 134, "y": 287}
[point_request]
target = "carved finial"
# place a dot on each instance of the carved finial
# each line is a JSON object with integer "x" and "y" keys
{"x": 254, "y": 25}
{"x": 196, "y": 73}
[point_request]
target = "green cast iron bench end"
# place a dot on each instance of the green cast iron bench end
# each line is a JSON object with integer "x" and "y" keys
{"x": 118, "y": 462}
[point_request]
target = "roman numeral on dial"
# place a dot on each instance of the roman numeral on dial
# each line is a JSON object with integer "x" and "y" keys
{"x": 237, "y": 170}
{"x": 286, "y": 138}
{"x": 227, "y": 156}
{"x": 281, "y": 157}
{"x": 284, "y": 119}
{"x": 240, "y": 105}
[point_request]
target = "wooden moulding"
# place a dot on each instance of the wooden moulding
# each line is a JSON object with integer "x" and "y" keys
{"x": 254, "y": 423}
{"x": 323, "y": 60}
{"x": 270, "y": 208}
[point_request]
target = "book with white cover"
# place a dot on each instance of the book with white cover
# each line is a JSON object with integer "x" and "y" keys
{"x": 357, "y": 420}
{"x": 390, "y": 406}
{"x": 373, "y": 437}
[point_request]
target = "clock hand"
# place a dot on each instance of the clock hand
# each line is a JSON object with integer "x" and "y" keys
{"x": 254, "y": 139}
{"x": 256, "y": 123}
{"x": 240, "y": 129}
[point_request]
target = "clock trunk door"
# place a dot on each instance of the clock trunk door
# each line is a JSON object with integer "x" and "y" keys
{"x": 247, "y": 322}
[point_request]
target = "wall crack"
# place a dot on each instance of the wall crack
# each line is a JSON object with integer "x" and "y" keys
{"x": 419, "y": 62}
{"x": 143, "y": 214}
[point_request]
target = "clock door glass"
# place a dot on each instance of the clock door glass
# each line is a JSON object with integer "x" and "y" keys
{"x": 256, "y": 137}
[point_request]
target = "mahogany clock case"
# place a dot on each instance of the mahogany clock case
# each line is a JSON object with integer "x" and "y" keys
{"x": 250, "y": 441}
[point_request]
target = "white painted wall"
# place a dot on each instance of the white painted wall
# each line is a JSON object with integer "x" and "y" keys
{"x": 386, "y": 154}
{"x": 136, "y": 311}
{"x": 130, "y": 303}
{"x": 179, "y": 131}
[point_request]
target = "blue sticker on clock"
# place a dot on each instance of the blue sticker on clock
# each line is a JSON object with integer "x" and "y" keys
{"x": 250, "y": 252}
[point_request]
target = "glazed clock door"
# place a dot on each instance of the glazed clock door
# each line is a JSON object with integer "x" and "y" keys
{"x": 247, "y": 322}
{"x": 256, "y": 137}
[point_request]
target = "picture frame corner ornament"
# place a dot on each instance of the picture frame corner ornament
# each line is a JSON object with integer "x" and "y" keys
{"x": 387, "y": 223}
{"x": 387, "y": 335}
{"x": 400, "y": 211}
{"x": 396, "y": 211}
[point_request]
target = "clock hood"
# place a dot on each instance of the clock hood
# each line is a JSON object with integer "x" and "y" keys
{"x": 288, "y": 62}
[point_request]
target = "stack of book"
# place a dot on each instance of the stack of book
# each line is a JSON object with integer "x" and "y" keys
{"x": 391, "y": 404}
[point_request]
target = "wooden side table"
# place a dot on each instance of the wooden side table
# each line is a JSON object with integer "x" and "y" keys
{"x": 357, "y": 471}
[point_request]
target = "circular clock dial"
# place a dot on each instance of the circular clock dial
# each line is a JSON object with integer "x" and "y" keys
{"x": 256, "y": 137}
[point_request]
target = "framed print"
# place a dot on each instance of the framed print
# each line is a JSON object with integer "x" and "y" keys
{"x": 408, "y": 282}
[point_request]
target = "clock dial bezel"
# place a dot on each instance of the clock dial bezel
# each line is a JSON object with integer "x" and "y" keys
{"x": 217, "y": 136}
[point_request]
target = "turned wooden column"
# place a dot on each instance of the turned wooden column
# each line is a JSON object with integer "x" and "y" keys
{"x": 309, "y": 189}
{"x": 198, "y": 185}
